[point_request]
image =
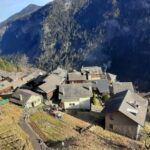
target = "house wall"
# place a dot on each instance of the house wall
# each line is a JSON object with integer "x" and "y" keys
{"x": 94, "y": 77}
{"x": 148, "y": 113}
{"x": 121, "y": 124}
{"x": 72, "y": 105}
{"x": 111, "y": 80}
{"x": 85, "y": 103}
{"x": 34, "y": 101}
{"x": 138, "y": 131}
{"x": 148, "y": 108}
{"x": 81, "y": 103}
{"x": 76, "y": 81}
{"x": 50, "y": 95}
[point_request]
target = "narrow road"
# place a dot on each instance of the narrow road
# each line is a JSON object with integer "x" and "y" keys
{"x": 36, "y": 141}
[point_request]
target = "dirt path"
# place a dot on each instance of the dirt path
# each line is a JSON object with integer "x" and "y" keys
{"x": 37, "y": 142}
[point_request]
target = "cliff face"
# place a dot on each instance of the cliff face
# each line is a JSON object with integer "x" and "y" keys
{"x": 85, "y": 32}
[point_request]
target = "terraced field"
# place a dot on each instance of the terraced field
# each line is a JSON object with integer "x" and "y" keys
{"x": 96, "y": 138}
{"x": 12, "y": 137}
{"x": 51, "y": 129}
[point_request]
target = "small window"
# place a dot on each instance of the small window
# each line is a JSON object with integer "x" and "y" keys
{"x": 72, "y": 104}
{"x": 133, "y": 113}
{"x": 111, "y": 117}
{"x": 111, "y": 126}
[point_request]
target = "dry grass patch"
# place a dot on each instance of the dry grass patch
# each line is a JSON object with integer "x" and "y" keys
{"x": 12, "y": 137}
{"x": 11, "y": 111}
{"x": 117, "y": 139}
{"x": 146, "y": 134}
{"x": 89, "y": 141}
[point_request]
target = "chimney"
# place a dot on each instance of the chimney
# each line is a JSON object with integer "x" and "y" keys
{"x": 90, "y": 88}
{"x": 63, "y": 91}
{"x": 20, "y": 97}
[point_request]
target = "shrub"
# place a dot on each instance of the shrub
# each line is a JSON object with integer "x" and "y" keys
{"x": 94, "y": 100}
{"x": 105, "y": 97}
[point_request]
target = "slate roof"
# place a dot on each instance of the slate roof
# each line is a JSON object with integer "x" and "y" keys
{"x": 60, "y": 72}
{"x": 26, "y": 94}
{"x": 121, "y": 86}
{"x": 76, "y": 76}
{"x": 18, "y": 83}
{"x": 51, "y": 82}
{"x": 111, "y": 76}
{"x": 101, "y": 85}
{"x": 92, "y": 70}
{"x": 18, "y": 78}
{"x": 18, "y": 75}
{"x": 127, "y": 101}
{"x": 74, "y": 91}
{"x": 4, "y": 84}
{"x": 12, "y": 75}
{"x": 27, "y": 78}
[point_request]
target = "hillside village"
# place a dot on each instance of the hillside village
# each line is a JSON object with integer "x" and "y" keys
{"x": 92, "y": 95}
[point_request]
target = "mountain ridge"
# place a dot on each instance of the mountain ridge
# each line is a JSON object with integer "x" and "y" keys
{"x": 69, "y": 33}
{"x": 24, "y": 12}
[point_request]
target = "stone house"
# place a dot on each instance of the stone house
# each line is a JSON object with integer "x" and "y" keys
{"x": 49, "y": 88}
{"x": 147, "y": 96}
{"x": 26, "y": 98}
{"x": 76, "y": 77}
{"x": 101, "y": 86}
{"x": 125, "y": 114}
{"x": 60, "y": 72}
{"x": 121, "y": 86}
{"x": 76, "y": 96}
{"x": 92, "y": 73}
{"x": 111, "y": 78}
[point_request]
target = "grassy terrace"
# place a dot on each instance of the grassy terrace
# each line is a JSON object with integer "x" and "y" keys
{"x": 53, "y": 129}
{"x": 12, "y": 137}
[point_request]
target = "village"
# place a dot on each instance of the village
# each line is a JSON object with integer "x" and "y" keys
{"x": 92, "y": 95}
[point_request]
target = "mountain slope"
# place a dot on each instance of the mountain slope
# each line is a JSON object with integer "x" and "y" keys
{"x": 6, "y": 66}
{"x": 85, "y": 32}
{"x": 22, "y": 35}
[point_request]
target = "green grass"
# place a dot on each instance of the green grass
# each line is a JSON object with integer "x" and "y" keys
{"x": 53, "y": 129}
{"x": 42, "y": 116}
